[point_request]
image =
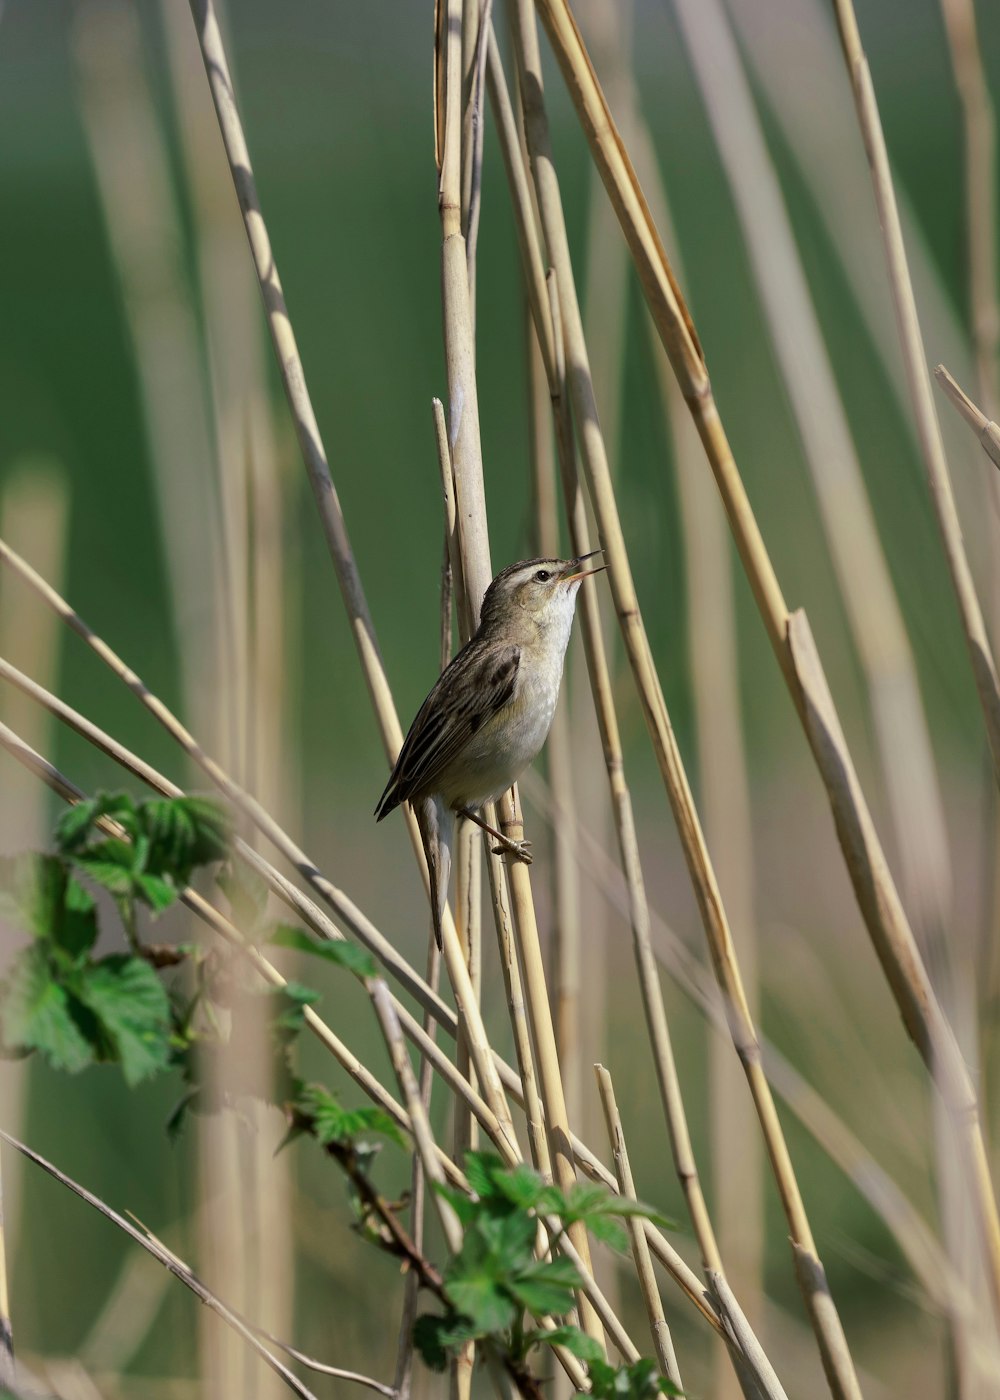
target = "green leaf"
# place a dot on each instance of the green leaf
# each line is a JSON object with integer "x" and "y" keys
{"x": 427, "y": 1333}
{"x": 155, "y": 891}
{"x": 608, "y": 1231}
{"x": 481, "y": 1169}
{"x": 510, "y": 1238}
{"x": 110, "y": 863}
{"x": 76, "y": 932}
{"x": 35, "y": 1013}
{"x": 523, "y": 1187}
{"x": 464, "y": 1207}
{"x": 546, "y": 1286}
{"x": 479, "y": 1296}
{"x": 291, "y": 1001}
{"x": 568, "y": 1336}
{"x": 184, "y": 832}
{"x": 333, "y": 1123}
{"x": 129, "y": 1000}
{"x": 344, "y": 954}
{"x": 75, "y": 826}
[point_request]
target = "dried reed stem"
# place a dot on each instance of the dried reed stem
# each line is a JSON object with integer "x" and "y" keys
{"x": 662, "y": 1340}
{"x": 800, "y": 664}
{"x": 985, "y": 429}
{"x": 328, "y": 504}
{"x": 466, "y": 457}
{"x": 546, "y": 310}
{"x": 980, "y": 194}
{"x": 918, "y": 376}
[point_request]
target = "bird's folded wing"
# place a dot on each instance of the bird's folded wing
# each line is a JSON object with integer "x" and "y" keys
{"x": 469, "y": 692}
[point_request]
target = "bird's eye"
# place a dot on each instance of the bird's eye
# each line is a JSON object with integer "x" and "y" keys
{"x": 543, "y": 576}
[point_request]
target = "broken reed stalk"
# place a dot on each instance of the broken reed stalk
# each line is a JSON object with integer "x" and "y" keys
{"x": 790, "y": 636}
{"x": 979, "y": 141}
{"x": 985, "y": 429}
{"x": 328, "y": 505}
{"x": 819, "y": 1304}
{"x": 662, "y": 1341}
{"x": 467, "y": 464}
{"x": 918, "y": 376}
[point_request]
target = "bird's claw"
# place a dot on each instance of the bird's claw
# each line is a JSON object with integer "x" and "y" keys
{"x": 518, "y": 850}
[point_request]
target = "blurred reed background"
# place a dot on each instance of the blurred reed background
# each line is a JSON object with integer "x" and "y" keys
{"x": 149, "y": 470}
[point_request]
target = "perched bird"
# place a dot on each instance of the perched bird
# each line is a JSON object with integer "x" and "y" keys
{"x": 490, "y": 711}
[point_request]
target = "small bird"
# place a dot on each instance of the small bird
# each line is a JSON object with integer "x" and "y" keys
{"x": 490, "y": 711}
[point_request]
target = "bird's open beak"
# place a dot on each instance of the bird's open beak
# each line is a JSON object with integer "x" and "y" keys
{"x": 584, "y": 573}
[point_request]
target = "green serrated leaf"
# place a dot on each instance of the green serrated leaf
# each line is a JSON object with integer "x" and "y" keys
{"x": 74, "y": 827}
{"x": 480, "y": 1297}
{"x": 155, "y": 891}
{"x": 606, "y": 1229}
{"x": 465, "y": 1208}
{"x": 343, "y": 954}
{"x": 546, "y": 1286}
{"x": 568, "y": 1336}
{"x": 509, "y": 1238}
{"x": 35, "y": 1013}
{"x": 481, "y": 1170}
{"x": 427, "y": 1338}
{"x": 129, "y": 1000}
{"x": 76, "y": 932}
{"x": 291, "y": 1001}
{"x": 524, "y": 1188}
{"x": 183, "y": 833}
{"x": 333, "y": 1123}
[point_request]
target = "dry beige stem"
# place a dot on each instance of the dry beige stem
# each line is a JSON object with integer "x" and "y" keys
{"x": 985, "y": 429}
{"x": 662, "y": 1340}
{"x": 466, "y": 457}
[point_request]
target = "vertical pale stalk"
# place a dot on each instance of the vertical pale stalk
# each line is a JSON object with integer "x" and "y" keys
{"x": 662, "y": 1340}
{"x": 565, "y": 962}
{"x": 328, "y": 504}
{"x": 789, "y": 634}
{"x": 466, "y": 457}
{"x": 979, "y": 139}
{"x": 128, "y": 154}
{"x": 33, "y": 513}
{"x": 918, "y": 376}
{"x": 545, "y": 306}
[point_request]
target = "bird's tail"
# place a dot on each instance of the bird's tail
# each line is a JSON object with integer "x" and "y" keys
{"x": 437, "y": 828}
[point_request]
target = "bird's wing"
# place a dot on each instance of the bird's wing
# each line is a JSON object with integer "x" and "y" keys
{"x": 477, "y": 683}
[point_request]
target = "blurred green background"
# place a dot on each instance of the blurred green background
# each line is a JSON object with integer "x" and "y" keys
{"x": 337, "y": 106}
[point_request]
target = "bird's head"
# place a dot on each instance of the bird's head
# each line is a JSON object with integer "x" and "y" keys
{"x": 540, "y": 588}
